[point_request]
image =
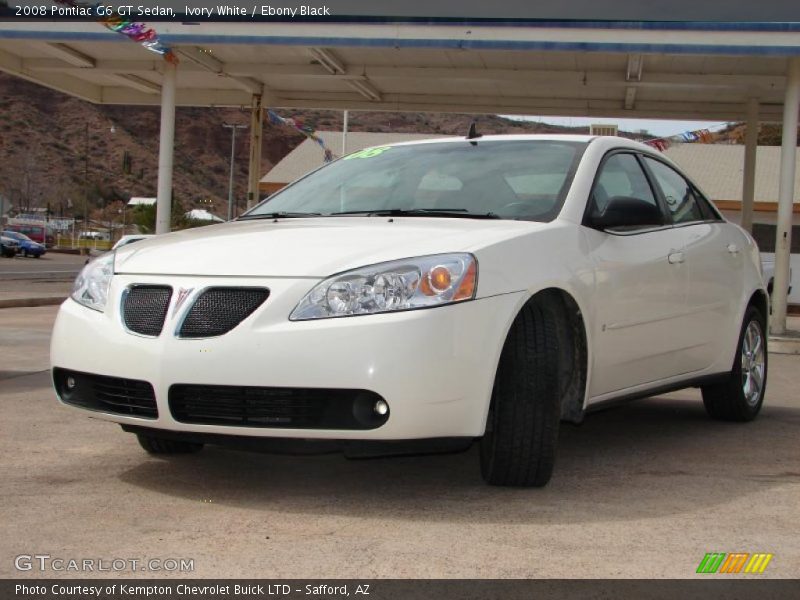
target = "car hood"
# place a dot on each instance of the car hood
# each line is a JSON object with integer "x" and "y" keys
{"x": 309, "y": 247}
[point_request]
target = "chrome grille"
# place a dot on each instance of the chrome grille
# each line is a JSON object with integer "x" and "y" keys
{"x": 218, "y": 310}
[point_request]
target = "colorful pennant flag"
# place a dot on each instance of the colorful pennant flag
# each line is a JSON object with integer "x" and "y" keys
{"x": 138, "y": 32}
{"x": 704, "y": 136}
{"x": 276, "y": 119}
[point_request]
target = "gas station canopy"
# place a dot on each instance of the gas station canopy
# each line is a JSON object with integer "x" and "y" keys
{"x": 671, "y": 71}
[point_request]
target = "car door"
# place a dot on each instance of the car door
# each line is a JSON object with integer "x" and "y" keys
{"x": 641, "y": 280}
{"x": 714, "y": 261}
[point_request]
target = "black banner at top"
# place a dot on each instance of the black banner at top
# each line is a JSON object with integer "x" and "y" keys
{"x": 629, "y": 11}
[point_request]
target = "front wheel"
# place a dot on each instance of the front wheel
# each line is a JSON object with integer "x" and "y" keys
{"x": 740, "y": 396}
{"x": 519, "y": 446}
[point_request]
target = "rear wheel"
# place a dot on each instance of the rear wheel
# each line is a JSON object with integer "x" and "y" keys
{"x": 156, "y": 445}
{"x": 519, "y": 446}
{"x": 740, "y": 396}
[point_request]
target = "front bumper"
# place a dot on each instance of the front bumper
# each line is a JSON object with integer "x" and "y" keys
{"x": 434, "y": 367}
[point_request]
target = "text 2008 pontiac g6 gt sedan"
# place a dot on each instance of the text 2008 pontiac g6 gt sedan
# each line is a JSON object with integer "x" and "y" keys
{"x": 460, "y": 289}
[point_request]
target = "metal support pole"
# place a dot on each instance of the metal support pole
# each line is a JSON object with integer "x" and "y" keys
{"x": 344, "y": 132}
{"x": 85, "y": 178}
{"x": 749, "y": 179}
{"x": 254, "y": 169}
{"x": 166, "y": 150}
{"x": 783, "y": 239}
{"x": 233, "y": 129}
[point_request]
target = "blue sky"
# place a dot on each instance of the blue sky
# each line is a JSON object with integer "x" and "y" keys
{"x": 658, "y": 127}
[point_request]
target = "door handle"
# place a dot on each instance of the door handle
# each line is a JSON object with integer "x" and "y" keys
{"x": 675, "y": 258}
{"x": 733, "y": 248}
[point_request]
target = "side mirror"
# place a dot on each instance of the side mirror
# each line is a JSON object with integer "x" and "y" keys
{"x": 624, "y": 211}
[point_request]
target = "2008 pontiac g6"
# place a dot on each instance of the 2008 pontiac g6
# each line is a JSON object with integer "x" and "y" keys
{"x": 479, "y": 288}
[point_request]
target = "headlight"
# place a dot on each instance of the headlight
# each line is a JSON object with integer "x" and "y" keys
{"x": 406, "y": 284}
{"x": 91, "y": 285}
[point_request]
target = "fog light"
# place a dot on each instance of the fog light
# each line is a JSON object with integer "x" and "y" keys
{"x": 70, "y": 383}
{"x": 381, "y": 408}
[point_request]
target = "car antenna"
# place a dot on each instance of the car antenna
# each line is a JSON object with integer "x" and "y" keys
{"x": 473, "y": 133}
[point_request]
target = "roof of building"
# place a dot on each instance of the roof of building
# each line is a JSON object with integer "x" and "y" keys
{"x": 716, "y": 168}
{"x": 201, "y": 214}
{"x": 308, "y": 155}
{"x": 141, "y": 201}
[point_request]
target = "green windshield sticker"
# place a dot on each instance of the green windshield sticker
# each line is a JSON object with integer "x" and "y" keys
{"x": 368, "y": 153}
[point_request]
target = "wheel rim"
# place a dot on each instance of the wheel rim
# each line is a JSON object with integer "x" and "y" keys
{"x": 753, "y": 363}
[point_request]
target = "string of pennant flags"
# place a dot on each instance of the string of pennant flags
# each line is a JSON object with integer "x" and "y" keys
{"x": 138, "y": 32}
{"x": 298, "y": 125}
{"x": 703, "y": 136}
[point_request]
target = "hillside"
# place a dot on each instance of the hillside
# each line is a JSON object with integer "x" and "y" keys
{"x": 43, "y": 136}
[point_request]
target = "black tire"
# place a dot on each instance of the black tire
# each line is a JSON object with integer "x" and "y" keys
{"x": 519, "y": 446}
{"x": 156, "y": 445}
{"x": 727, "y": 400}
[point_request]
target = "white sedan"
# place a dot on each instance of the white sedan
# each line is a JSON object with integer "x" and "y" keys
{"x": 426, "y": 294}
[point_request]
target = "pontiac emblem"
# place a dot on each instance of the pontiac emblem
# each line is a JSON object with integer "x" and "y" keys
{"x": 183, "y": 294}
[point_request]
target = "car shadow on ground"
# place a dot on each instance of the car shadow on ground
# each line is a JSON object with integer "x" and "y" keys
{"x": 651, "y": 458}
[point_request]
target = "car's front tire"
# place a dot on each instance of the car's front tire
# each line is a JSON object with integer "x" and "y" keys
{"x": 519, "y": 445}
{"x": 161, "y": 446}
{"x": 740, "y": 396}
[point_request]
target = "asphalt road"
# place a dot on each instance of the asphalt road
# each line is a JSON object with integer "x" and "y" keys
{"x": 644, "y": 490}
{"x": 51, "y": 265}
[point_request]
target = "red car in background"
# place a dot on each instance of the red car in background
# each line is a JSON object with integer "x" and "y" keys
{"x": 38, "y": 233}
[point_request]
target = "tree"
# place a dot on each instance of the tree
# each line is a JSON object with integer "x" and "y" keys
{"x": 144, "y": 217}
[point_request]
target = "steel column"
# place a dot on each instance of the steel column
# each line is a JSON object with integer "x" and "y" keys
{"x": 783, "y": 239}
{"x": 749, "y": 178}
{"x": 256, "y": 134}
{"x": 166, "y": 150}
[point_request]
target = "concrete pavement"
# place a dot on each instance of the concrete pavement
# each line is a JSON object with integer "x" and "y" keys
{"x": 37, "y": 281}
{"x": 644, "y": 490}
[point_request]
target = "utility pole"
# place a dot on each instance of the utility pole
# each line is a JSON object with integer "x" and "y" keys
{"x": 344, "y": 132}
{"x": 85, "y": 178}
{"x": 233, "y": 129}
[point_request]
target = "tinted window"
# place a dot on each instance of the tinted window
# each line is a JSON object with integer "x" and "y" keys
{"x": 512, "y": 179}
{"x": 678, "y": 194}
{"x": 621, "y": 175}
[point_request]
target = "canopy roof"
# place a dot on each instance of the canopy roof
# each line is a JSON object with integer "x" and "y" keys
{"x": 675, "y": 71}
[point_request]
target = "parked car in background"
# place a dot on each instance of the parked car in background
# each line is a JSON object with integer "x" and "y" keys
{"x": 27, "y": 247}
{"x": 38, "y": 233}
{"x": 8, "y": 246}
{"x": 768, "y": 273}
{"x": 457, "y": 290}
{"x": 130, "y": 239}
{"x": 123, "y": 241}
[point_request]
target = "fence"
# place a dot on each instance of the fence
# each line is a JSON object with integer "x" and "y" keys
{"x": 86, "y": 243}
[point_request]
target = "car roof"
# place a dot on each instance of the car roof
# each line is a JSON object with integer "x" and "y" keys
{"x": 608, "y": 140}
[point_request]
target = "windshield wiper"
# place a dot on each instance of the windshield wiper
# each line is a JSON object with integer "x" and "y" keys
{"x": 420, "y": 212}
{"x": 279, "y": 215}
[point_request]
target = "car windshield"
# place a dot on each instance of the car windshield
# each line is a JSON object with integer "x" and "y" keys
{"x": 525, "y": 179}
